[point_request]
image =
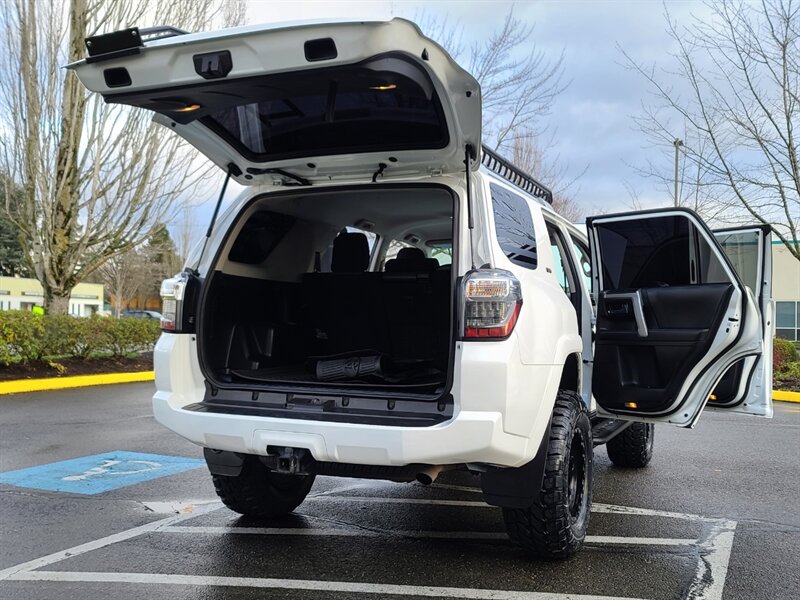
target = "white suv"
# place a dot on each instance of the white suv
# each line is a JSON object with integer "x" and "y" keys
{"x": 389, "y": 300}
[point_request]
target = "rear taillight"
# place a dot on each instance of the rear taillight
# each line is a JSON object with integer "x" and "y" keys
{"x": 177, "y": 303}
{"x": 492, "y": 301}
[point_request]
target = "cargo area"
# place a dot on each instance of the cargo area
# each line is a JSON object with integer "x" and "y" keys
{"x": 337, "y": 289}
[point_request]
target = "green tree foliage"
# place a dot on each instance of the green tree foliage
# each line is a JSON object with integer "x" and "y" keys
{"x": 12, "y": 257}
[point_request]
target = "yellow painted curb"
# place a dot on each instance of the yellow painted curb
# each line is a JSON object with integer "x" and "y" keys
{"x": 21, "y": 386}
{"x": 786, "y": 396}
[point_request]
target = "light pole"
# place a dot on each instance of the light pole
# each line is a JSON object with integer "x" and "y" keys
{"x": 677, "y": 143}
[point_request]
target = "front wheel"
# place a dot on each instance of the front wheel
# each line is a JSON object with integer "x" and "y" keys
{"x": 555, "y": 525}
{"x": 258, "y": 492}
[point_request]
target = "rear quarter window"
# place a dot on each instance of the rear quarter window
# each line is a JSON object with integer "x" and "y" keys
{"x": 513, "y": 226}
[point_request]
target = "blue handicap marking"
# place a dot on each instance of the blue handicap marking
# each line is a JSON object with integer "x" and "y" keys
{"x": 99, "y": 473}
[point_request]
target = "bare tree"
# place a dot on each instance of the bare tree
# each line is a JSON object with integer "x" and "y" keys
{"x": 96, "y": 177}
{"x": 124, "y": 275}
{"x": 519, "y": 82}
{"x": 530, "y": 155}
{"x": 738, "y": 96}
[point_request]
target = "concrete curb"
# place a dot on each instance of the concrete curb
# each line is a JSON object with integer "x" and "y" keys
{"x": 21, "y": 386}
{"x": 785, "y": 396}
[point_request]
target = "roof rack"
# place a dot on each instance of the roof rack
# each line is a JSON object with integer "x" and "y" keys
{"x": 496, "y": 163}
{"x": 126, "y": 42}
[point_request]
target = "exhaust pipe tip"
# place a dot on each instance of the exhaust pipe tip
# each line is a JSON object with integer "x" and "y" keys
{"x": 428, "y": 476}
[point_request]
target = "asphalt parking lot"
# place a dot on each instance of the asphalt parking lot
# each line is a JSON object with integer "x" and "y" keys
{"x": 715, "y": 516}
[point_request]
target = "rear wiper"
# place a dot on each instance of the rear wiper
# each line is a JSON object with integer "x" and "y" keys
{"x": 281, "y": 172}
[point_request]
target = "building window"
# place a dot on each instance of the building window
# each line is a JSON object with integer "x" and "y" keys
{"x": 787, "y": 320}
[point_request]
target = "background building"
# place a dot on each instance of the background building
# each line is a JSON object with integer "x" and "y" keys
{"x": 786, "y": 292}
{"x": 21, "y": 293}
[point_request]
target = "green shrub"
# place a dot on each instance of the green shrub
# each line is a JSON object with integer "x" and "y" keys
{"x": 26, "y": 337}
{"x": 789, "y": 372}
{"x": 783, "y": 353}
{"x": 22, "y": 336}
{"x": 124, "y": 336}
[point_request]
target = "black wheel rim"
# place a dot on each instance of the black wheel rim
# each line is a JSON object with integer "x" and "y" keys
{"x": 577, "y": 481}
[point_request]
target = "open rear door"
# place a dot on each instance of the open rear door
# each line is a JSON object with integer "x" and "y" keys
{"x": 673, "y": 316}
{"x": 747, "y": 386}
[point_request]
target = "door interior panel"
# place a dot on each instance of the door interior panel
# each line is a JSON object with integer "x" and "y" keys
{"x": 652, "y": 368}
{"x": 728, "y": 387}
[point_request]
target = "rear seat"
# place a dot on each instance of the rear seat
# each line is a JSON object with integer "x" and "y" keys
{"x": 402, "y": 312}
{"x": 345, "y": 303}
{"x": 409, "y": 304}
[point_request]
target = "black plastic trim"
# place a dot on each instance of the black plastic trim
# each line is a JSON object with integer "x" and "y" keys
{"x": 516, "y": 487}
{"x": 327, "y": 407}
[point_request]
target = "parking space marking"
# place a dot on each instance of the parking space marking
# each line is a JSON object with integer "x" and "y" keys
{"x": 99, "y": 473}
{"x": 303, "y": 584}
{"x": 714, "y": 548}
{"x": 44, "y": 561}
{"x": 409, "y": 533}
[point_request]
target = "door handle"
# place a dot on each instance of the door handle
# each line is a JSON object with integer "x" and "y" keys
{"x": 627, "y": 299}
{"x": 618, "y": 310}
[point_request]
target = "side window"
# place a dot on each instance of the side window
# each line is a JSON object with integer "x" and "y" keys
{"x": 742, "y": 248}
{"x": 514, "y": 227}
{"x": 441, "y": 250}
{"x": 561, "y": 265}
{"x": 584, "y": 263}
{"x": 656, "y": 252}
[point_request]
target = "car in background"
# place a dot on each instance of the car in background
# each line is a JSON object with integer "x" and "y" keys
{"x": 141, "y": 314}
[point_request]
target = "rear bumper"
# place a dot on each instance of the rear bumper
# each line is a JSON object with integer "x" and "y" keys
{"x": 469, "y": 437}
{"x": 500, "y": 414}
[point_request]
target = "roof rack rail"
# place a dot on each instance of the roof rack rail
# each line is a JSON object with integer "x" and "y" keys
{"x": 158, "y": 32}
{"x": 515, "y": 175}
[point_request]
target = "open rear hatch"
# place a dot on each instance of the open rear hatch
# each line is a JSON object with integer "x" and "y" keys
{"x": 329, "y": 303}
{"x": 299, "y": 103}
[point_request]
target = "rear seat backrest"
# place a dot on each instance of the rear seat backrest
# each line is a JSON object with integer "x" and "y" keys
{"x": 345, "y": 304}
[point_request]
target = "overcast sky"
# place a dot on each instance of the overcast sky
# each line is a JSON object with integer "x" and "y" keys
{"x": 591, "y": 120}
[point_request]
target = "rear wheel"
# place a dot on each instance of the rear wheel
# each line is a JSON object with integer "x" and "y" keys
{"x": 555, "y": 525}
{"x": 633, "y": 448}
{"x": 258, "y": 492}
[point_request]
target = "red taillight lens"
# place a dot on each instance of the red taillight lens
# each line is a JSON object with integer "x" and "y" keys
{"x": 173, "y": 294}
{"x": 492, "y": 303}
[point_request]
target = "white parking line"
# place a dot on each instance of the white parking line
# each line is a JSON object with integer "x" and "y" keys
{"x": 38, "y": 563}
{"x": 411, "y": 533}
{"x": 379, "y": 589}
{"x": 709, "y": 582}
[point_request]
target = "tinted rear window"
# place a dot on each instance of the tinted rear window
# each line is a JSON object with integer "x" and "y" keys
{"x": 384, "y": 104}
{"x": 514, "y": 227}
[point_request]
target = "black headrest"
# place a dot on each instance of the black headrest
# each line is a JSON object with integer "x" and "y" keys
{"x": 350, "y": 253}
{"x": 410, "y": 254}
{"x": 411, "y": 260}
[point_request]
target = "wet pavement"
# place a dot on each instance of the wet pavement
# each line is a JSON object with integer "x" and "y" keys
{"x": 715, "y": 516}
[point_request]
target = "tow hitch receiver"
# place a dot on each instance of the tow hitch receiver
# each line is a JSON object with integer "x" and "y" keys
{"x": 290, "y": 461}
